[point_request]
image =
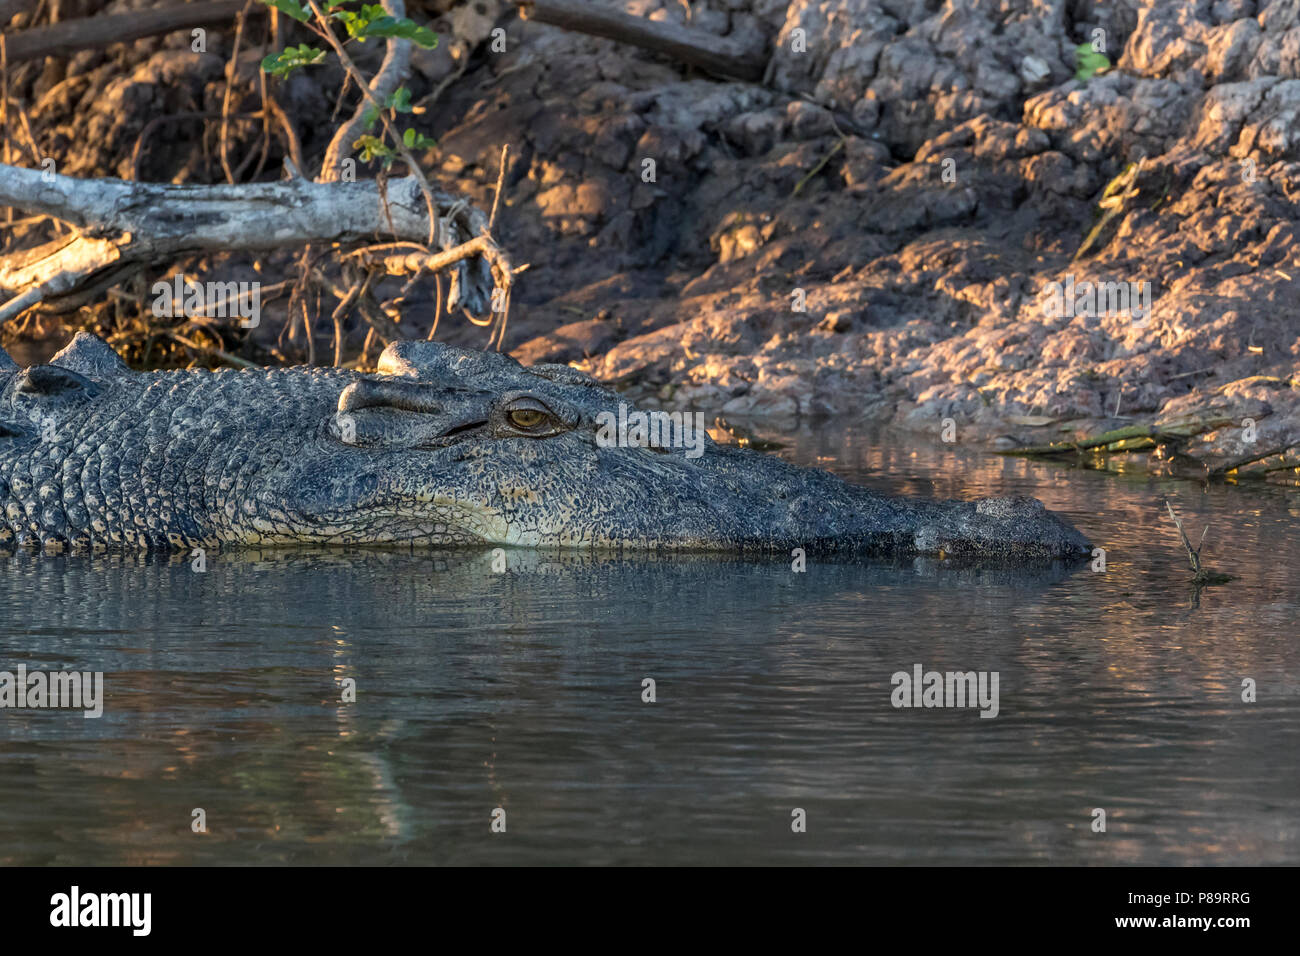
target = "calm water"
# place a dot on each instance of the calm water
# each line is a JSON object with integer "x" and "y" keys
{"x": 523, "y": 690}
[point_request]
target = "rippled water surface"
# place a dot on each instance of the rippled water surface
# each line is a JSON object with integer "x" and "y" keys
{"x": 476, "y": 690}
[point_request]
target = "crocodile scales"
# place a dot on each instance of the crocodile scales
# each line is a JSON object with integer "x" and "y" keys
{"x": 441, "y": 446}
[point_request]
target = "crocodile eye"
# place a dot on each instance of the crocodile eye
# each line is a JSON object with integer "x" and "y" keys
{"x": 527, "y": 417}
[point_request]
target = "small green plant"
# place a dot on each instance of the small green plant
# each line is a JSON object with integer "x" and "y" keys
{"x": 368, "y": 21}
{"x": 1089, "y": 62}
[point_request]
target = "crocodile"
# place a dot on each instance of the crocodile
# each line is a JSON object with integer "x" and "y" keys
{"x": 440, "y": 446}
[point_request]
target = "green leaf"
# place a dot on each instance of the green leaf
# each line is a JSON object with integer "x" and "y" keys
{"x": 291, "y": 7}
{"x": 372, "y": 147}
{"x": 1089, "y": 62}
{"x": 403, "y": 28}
{"x": 399, "y": 100}
{"x": 413, "y": 140}
{"x": 357, "y": 22}
{"x": 291, "y": 58}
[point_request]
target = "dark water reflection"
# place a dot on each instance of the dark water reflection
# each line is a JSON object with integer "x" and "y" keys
{"x": 523, "y": 690}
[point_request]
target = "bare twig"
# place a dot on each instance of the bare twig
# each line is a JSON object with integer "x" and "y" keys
{"x": 219, "y": 353}
{"x": 223, "y": 151}
{"x": 292, "y": 142}
{"x": 501, "y": 178}
{"x": 137, "y": 154}
{"x": 818, "y": 168}
{"x": 462, "y": 65}
{"x": 340, "y": 313}
{"x": 4, "y": 97}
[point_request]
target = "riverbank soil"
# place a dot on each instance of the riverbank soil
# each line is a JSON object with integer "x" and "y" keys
{"x": 927, "y": 214}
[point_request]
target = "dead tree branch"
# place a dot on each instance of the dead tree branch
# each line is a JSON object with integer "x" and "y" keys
{"x": 126, "y": 226}
{"x": 695, "y": 47}
{"x": 68, "y": 37}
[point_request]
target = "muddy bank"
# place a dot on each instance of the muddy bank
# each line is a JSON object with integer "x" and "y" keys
{"x": 886, "y": 229}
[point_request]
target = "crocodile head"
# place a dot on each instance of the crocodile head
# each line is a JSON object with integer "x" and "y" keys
{"x": 442, "y": 446}
{"x": 448, "y": 444}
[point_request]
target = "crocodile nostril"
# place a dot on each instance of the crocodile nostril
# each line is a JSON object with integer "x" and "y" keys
{"x": 407, "y": 396}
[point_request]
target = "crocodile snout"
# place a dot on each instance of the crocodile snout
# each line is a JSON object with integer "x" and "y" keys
{"x": 1027, "y": 520}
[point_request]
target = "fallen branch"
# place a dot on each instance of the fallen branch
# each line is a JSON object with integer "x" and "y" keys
{"x": 1129, "y": 438}
{"x": 699, "y": 48}
{"x": 1097, "y": 441}
{"x": 1249, "y": 459}
{"x": 63, "y": 39}
{"x": 1292, "y": 464}
{"x": 127, "y": 226}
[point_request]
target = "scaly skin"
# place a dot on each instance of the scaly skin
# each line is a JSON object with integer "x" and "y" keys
{"x": 443, "y": 446}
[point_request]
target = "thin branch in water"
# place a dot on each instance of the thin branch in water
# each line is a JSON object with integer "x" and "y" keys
{"x": 1200, "y": 574}
{"x": 1193, "y": 554}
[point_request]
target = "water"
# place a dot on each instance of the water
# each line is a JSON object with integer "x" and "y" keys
{"x": 475, "y": 690}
